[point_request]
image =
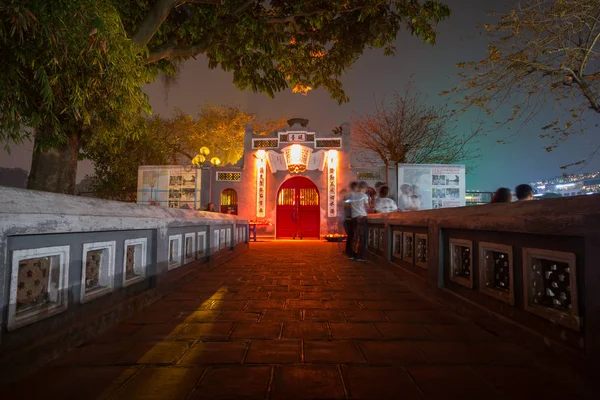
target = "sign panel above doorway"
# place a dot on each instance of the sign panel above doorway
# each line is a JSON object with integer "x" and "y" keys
{"x": 286, "y": 138}
{"x": 309, "y": 159}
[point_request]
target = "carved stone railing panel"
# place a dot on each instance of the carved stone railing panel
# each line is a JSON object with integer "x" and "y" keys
{"x": 461, "y": 262}
{"x": 408, "y": 246}
{"x": 98, "y": 269}
{"x": 550, "y": 286}
{"x": 189, "y": 247}
{"x": 397, "y": 245}
{"x": 421, "y": 250}
{"x": 216, "y": 241}
{"x": 222, "y": 239}
{"x": 135, "y": 260}
{"x": 37, "y": 287}
{"x": 496, "y": 271}
{"x": 375, "y": 239}
{"x": 174, "y": 251}
{"x": 201, "y": 246}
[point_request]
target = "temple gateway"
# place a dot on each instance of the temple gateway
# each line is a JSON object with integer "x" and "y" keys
{"x": 287, "y": 182}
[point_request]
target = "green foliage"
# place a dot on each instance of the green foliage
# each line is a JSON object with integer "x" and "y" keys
{"x": 172, "y": 141}
{"x": 116, "y": 163}
{"x": 301, "y": 45}
{"x": 75, "y": 68}
{"x": 68, "y": 66}
{"x": 221, "y": 129}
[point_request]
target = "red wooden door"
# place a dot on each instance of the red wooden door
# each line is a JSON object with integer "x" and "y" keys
{"x": 298, "y": 211}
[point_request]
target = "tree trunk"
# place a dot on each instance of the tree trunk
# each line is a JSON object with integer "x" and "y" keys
{"x": 55, "y": 170}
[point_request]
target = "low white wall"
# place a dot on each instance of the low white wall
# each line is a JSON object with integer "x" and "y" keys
{"x": 49, "y": 242}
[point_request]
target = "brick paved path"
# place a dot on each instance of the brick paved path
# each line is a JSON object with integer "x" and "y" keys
{"x": 294, "y": 320}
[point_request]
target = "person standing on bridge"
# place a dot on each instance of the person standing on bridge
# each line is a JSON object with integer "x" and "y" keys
{"x": 348, "y": 223}
{"x": 384, "y": 203}
{"x": 359, "y": 201}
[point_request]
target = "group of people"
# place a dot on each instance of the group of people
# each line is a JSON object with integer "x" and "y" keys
{"x": 504, "y": 195}
{"x": 409, "y": 198}
{"x": 358, "y": 204}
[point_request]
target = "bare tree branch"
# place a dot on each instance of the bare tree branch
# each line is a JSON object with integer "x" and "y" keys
{"x": 172, "y": 50}
{"x": 542, "y": 53}
{"x": 408, "y": 130}
{"x": 155, "y": 17}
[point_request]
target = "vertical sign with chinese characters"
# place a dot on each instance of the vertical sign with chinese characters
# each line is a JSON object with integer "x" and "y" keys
{"x": 332, "y": 183}
{"x": 261, "y": 180}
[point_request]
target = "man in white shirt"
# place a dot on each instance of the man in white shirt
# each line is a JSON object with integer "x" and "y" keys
{"x": 359, "y": 201}
{"x": 358, "y": 206}
{"x": 384, "y": 203}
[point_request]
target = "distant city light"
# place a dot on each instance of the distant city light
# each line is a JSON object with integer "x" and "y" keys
{"x": 569, "y": 185}
{"x": 564, "y": 185}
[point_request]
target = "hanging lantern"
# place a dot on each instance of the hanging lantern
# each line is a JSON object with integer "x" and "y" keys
{"x": 296, "y": 158}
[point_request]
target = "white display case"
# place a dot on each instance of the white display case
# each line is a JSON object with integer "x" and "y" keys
{"x": 169, "y": 186}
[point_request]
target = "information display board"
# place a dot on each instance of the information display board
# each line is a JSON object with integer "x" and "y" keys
{"x": 169, "y": 186}
{"x": 430, "y": 186}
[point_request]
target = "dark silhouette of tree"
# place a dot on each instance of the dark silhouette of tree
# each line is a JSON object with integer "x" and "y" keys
{"x": 73, "y": 69}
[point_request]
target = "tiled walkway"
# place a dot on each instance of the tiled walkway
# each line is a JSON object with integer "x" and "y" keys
{"x": 295, "y": 320}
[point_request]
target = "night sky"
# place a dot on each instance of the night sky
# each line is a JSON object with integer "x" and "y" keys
{"x": 434, "y": 69}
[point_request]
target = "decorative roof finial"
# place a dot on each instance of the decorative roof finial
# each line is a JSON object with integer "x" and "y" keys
{"x": 302, "y": 121}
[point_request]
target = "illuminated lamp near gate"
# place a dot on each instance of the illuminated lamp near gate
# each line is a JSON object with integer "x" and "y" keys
{"x": 332, "y": 157}
{"x": 296, "y": 158}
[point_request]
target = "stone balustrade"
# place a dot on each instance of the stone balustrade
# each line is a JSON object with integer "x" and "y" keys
{"x": 533, "y": 264}
{"x": 70, "y": 267}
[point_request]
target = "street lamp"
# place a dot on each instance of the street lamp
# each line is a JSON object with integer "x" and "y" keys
{"x": 198, "y": 160}
{"x": 215, "y": 161}
{"x": 201, "y": 156}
